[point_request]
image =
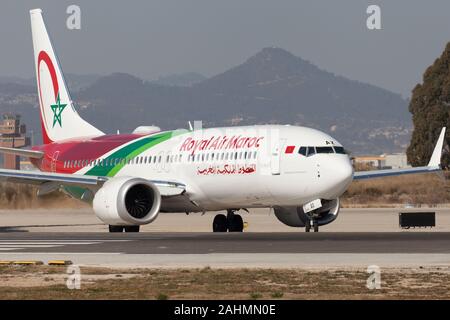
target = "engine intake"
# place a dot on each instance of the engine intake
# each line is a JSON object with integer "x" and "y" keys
{"x": 127, "y": 201}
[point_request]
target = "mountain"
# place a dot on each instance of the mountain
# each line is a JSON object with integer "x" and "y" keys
{"x": 272, "y": 86}
{"x": 74, "y": 81}
{"x": 180, "y": 80}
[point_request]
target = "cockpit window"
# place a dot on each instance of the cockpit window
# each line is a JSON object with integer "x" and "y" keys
{"x": 302, "y": 151}
{"x": 311, "y": 151}
{"x": 324, "y": 150}
{"x": 340, "y": 150}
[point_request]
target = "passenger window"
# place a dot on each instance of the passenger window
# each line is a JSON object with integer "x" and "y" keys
{"x": 302, "y": 151}
{"x": 324, "y": 150}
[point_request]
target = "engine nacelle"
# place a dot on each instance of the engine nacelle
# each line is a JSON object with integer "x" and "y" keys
{"x": 296, "y": 217}
{"x": 127, "y": 201}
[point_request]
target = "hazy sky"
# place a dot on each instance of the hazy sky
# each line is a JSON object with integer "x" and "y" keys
{"x": 150, "y": 38}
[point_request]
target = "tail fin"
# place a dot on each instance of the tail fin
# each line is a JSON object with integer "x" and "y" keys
{"x": 59, "y": 118}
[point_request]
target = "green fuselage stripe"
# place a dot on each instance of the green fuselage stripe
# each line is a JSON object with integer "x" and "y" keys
{"x": 129, "y": 152}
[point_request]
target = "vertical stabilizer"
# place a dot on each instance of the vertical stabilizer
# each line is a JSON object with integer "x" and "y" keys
{"x": 59, "y": 118}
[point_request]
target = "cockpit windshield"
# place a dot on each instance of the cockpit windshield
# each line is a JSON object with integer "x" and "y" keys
{"x": 310, "y": 151}
{"x": 324, "y": 150}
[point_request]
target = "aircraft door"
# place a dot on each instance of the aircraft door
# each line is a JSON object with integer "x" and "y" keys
{"x": 275, "y": 156}
{"x": 54, "y": 159}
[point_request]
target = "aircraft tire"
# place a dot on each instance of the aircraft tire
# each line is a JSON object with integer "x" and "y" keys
{"x": 307, "y": 227}
{"x": 220, "y": 223}
{"x": 316, "y": 226}
{"x": 236, "y": 224}
{"x": 132, "y": 229}
{"x": 115, "y": 229}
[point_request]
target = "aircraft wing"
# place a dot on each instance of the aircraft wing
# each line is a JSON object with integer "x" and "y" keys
{"x": 433, "y": 166}
{"x": 50, "y": 181}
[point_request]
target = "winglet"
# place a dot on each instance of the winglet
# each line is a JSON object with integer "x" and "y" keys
{"x": 435, "y": 160}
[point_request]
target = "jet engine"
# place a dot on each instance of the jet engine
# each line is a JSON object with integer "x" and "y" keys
{"x": 127, "y": 201}
{"x": 296, "y": 217}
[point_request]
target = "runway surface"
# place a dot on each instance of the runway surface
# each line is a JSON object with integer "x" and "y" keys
{"x": 204, "y": 243}
{"x": 358, "y": 238}
{"x": 273, "y": 250}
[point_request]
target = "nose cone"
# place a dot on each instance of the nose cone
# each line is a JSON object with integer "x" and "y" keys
{"x": 336, "y": 175}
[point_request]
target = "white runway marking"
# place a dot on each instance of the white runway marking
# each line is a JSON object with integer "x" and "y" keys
{"x": 8, "y": 245}
{"x": 38, "y": 243}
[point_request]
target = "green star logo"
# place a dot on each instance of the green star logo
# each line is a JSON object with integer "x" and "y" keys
{"x": 57, "y": 109}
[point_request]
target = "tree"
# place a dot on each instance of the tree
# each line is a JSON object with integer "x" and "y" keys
{"x": 430, "y": 108}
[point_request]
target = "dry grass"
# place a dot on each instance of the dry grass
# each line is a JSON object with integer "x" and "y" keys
{"x": 208, "y": 283}
{"x": 427, "y": 189}
{"x": 22, "y": 196}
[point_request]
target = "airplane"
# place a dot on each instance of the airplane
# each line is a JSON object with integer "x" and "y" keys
{"x": 129, "y": 179}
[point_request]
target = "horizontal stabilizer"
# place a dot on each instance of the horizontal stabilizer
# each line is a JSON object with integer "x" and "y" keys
{"x": 22, "y": 152}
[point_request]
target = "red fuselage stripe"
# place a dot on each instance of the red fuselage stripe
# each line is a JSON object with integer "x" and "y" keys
{"x": 43, "y": 56}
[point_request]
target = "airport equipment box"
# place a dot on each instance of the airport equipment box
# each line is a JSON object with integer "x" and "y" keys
{"x": 417, "y": 219}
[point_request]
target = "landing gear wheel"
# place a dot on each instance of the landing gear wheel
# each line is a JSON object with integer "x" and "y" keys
{"x": 236, "y": 224}
{"x": 132, "y": 229}
{"x": 307, "y": 226}
{"x": 116, "y": 228}
{"x": 316, "y": 226}
{"x": 220, "y": 223}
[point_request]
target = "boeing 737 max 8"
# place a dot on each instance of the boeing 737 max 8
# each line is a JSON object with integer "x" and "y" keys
{"x": 131, "y": 178}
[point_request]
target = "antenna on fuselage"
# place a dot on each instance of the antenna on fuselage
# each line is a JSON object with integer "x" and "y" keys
{"x": 118, "y": 131}
{"x": 190, "y": 126}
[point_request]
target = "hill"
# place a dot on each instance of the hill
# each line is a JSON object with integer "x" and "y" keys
{"x": 273, "y": 86}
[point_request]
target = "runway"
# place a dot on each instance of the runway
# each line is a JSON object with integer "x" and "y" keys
{"x": 285, "y": 250}
{"x": 205, "y": 243}
{"x": 358, "y": 238}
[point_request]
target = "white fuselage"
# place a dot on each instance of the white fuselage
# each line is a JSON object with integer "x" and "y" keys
{"x": 245, "y": 167}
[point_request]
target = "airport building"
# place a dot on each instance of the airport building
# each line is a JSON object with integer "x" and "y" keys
{"x": 12, "y": 135}
{"x": 384, "y": 161}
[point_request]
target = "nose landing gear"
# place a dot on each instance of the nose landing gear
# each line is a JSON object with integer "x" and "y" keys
{"x": 312, "y": 223}
{"x": 231, "y": 222}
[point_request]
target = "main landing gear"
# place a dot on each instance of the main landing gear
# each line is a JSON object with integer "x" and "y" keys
{"x": 123, "y": 228}
{"x": 231, "y": 222}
